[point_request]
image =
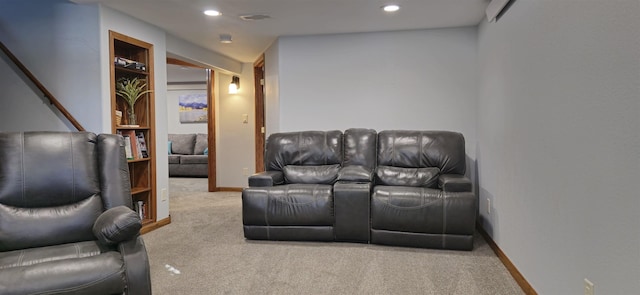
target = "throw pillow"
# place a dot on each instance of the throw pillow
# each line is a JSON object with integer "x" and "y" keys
{"x": 169, "y": 147}
{"x": 324, "y": 174}
{"x": 398, "y": 176}
{"x": 206, "y": 151}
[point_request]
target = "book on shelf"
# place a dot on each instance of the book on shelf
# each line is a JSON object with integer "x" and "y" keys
{"x": 141, "y": 209}
{"x": 127, "y": 147}
{"x": 133, "y": 142}
{"x": 138, "y": 148}
{"x": 142, "y": 144}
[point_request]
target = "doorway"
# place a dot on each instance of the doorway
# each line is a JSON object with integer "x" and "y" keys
{"x": 210, "y": 129}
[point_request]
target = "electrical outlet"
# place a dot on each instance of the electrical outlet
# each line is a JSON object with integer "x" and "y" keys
{"x": 488, "y": 206}
{"x": 588, "y": 287}
{"x": 163, "y": 194}
{"x": 245, "y": 171}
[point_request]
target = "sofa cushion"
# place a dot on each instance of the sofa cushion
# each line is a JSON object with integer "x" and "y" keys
{"x": 323, "y": 174}
{"x": 194, "y": 159}
{"x": 355, "y": 173}
{"x": 416, "y": 177}
{"x": 31, "y": 256}
{"x": 407, "y": 209}
{"x": 48, "y": 225}
{"x": 420, "y": 149}
{"x": 174, "y": 159}
{"x": 288, "y": 205}
{"x": 201, "y": 144}
{"x": 422, "y": 210}
{"x": 95, "y": 274}
{"x": 303, "y": 148}
{"x": 182, "y": 144}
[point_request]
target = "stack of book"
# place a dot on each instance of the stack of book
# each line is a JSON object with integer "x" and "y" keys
{"x": 135, "y": 144}
{"x": 129, "y": 64}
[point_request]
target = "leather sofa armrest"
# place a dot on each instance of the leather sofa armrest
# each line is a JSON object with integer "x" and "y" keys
{"x": 454, "y": 183}
{"x": 116, "y": 225}
{"x": 134, "y": 254}
{"x": 355, "y": 173}
{"x": 266, "y": 178}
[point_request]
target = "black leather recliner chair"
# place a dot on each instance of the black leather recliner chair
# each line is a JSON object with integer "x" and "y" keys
{"x": 421, "y": 197}
{"x": 66, "y": 224}
{"x": 293, "y": 198}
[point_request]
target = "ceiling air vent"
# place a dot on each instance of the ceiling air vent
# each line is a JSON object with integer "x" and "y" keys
{"x": 249, "y": 17}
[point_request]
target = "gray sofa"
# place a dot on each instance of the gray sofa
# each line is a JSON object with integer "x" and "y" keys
{"x": 395, "y": 187}
{"x": 187, "y": 155}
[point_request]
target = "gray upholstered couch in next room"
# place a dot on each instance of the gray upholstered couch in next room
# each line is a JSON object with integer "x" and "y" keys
{"x": 187, "y": 155}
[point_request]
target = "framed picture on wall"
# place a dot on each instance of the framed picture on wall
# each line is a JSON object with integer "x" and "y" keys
{"x": 193, "y": 108}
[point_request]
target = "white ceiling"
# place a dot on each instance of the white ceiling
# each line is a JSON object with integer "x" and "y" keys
{"x": 184, "y": 19}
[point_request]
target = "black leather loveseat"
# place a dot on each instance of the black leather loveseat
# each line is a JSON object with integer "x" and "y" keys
{"x": 66, "y": 224}
{"x": 397, "y": 187}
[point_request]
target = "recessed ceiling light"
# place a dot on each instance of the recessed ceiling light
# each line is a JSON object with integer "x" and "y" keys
{"x": 390, "y": 8}
{"x": 212, "y": 12}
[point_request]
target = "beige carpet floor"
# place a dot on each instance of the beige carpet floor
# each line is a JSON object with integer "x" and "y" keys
{"x": 203, "y": 251}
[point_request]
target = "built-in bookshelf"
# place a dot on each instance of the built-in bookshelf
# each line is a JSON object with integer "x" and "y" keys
{"x": 131, "y": 59}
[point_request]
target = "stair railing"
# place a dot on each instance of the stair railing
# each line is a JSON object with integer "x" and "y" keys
{"x": 41, "y": 87}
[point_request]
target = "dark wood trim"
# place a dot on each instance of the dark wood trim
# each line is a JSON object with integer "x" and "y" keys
{"x": 229, "y": 189}
{"x": 148, "y": 105}
{"x": 515, "y": 273}
{"x": 152, "y": 126}
{"x": 155, "y": 225}
{"x": 41, "y": 87}
{"x": 258, "y": 73}
{"x": 175, "y": 61}
{"x": 211, "y": 129}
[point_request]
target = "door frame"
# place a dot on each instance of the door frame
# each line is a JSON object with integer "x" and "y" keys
{"x": 260, "y": 126}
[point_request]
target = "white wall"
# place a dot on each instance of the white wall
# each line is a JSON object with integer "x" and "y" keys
{"x": 124, "y": 24}
{"x": 272, "y": 89}
{"x": 57, "y": 42}
{"x": 558, "y": 142}
{"x": 173, "y": 114}
{"x": 422, "y": 80}
{"x": 236, "y": 140}
{"x": 201, "y": 56}
{"x": 18, "y": 99}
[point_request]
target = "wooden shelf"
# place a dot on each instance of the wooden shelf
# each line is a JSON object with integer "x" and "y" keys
{"x": 138, "y": 190}
{"x": 132, "y": 71}
{"x": 142, "y": 171}
{"x": 120, "y": 127}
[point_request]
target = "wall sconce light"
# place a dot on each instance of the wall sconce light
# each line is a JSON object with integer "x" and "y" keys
{"x": 235, "y": 85}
